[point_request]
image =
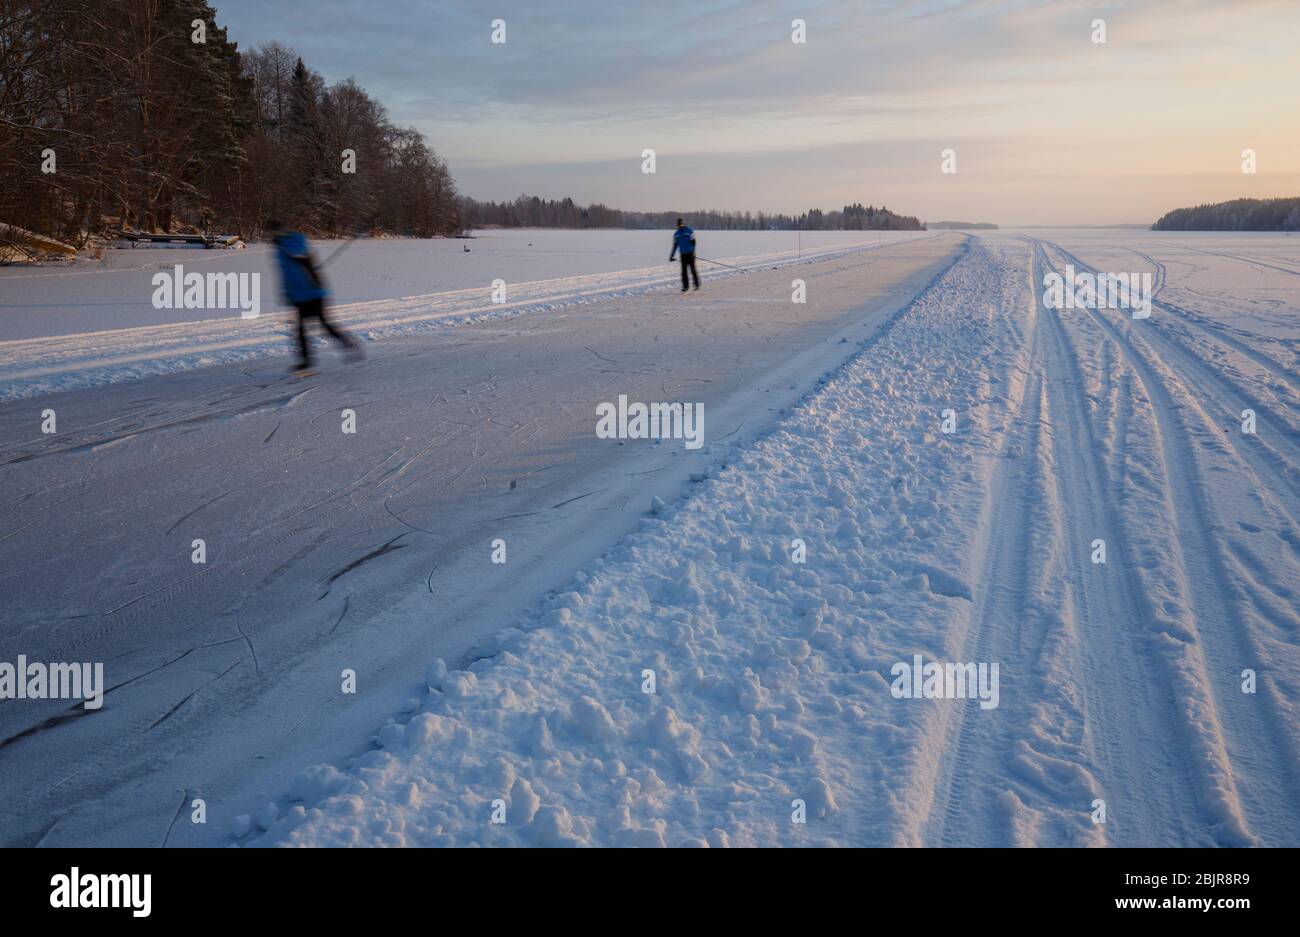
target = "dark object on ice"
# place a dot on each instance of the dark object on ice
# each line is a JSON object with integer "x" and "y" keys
{"x": 467, "y": 248}
{"x": 29, "y": 244}
{"x": 206, "y": 241}
{"x": 304, "y": 290}
{"x": 684, "y": 242}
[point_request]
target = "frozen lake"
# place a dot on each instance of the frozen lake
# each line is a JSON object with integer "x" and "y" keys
{"x": 90, "y": 296}
{"x": 1173, "y": 440}
{"x": 485, "y": 429}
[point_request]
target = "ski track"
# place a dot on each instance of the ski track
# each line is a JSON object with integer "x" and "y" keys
{"x": 1284, "y": 376}
{"x": 1083, "y": 722}
{"x": 1248, "y": 756}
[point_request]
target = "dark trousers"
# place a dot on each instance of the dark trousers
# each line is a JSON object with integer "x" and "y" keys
{"x": 315, "y": 309}
{"x": 688, "y": 263}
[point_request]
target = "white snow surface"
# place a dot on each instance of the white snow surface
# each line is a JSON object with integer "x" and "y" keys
{"x": 1120, "y": 682}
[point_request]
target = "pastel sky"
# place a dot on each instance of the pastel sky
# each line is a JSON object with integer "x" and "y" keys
{"x": 1048, "y": 126}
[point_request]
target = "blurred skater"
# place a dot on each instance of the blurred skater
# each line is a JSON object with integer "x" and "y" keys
{"x": 305, "y": 291}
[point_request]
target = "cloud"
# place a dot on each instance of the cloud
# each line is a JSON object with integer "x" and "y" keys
{"x": 716, "y": 86}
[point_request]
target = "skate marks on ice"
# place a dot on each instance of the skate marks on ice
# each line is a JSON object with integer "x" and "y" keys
{"x": 314, "y": 539}
{"x": 33, "y": 366}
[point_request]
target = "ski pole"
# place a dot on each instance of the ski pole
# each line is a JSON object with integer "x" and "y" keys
{"x": 338, "y": 250}
{"x": 721, "y": 264}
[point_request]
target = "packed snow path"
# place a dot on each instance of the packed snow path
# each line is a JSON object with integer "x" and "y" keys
{"x": 369, "y": 551}
{"x": 702, "y": 686}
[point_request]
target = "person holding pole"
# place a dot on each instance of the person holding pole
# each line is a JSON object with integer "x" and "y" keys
{"x": 305, "y": 291}
{"x": 684, "y": 243}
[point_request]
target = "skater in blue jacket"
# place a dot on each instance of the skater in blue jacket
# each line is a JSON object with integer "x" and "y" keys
{"x": 684, "y": 243}
{"x": 305, "y": 291}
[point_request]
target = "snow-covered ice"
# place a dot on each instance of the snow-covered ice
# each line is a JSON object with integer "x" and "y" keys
{"x": 685, "y": 648}
{"x": 701, "y": 686}
{"x": 364, "y": 551}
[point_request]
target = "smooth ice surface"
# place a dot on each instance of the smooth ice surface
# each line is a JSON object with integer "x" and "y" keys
{"x": 116, "y": 293}
{"x": 111, "y": 332}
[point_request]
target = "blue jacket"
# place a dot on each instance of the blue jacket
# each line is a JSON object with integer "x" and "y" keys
{"x": 297, "y": 273}
{"x": 684, "y": 240}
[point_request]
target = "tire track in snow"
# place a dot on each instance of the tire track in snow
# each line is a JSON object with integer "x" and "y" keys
{"x": 1078, "y": 720}
{"x": 1037, "y": 730}
{"x": 1126, "y": 720}
{"x": 1254, "y": 262}
{"x": 1210, "y": 392}
{"x": 1197, "y": 373}
{"x": 961, "y": 814}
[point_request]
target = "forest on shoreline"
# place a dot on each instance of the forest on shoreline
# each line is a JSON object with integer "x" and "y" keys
{"x": 530, "y": 211}
{"x": 1243, "y": 214}
{"x": 144, "y": 115}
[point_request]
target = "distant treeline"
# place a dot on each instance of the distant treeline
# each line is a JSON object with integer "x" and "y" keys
{"x": 529, "y": 211}
{"x": 1243, "y": 214}
{"x": 122, "y": 112}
